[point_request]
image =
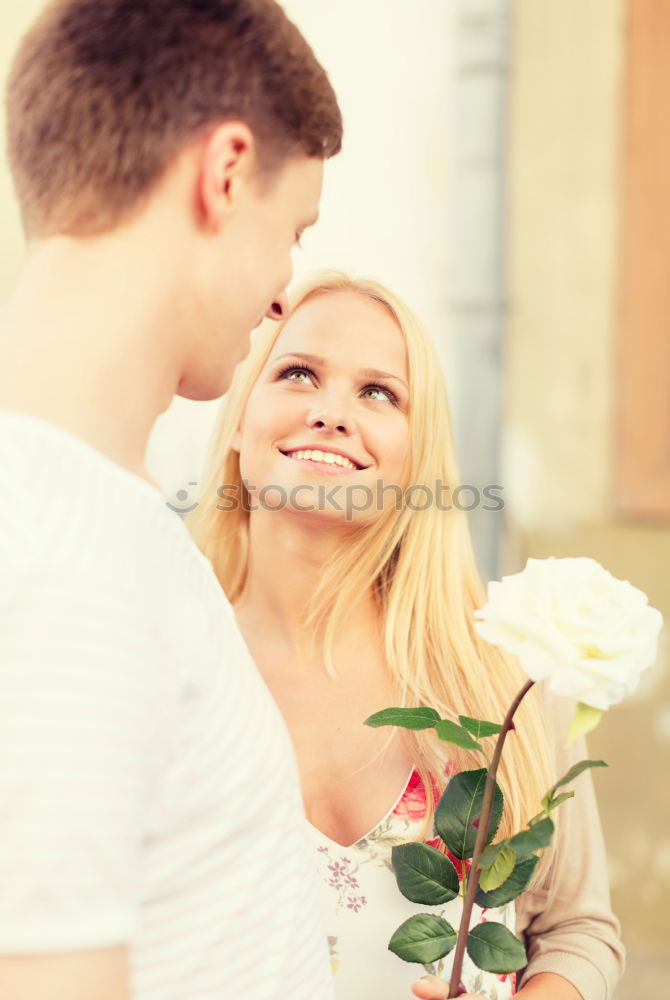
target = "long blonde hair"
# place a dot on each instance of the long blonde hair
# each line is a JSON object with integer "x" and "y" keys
{"x": 418, "y": 564}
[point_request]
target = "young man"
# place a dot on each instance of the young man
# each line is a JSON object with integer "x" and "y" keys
{"x": 166, "y": 157}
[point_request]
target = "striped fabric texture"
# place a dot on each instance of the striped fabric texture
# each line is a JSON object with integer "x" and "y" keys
{"x": 148, "y": 790}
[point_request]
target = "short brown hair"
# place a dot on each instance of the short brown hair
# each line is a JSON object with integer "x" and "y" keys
{"x": 104, "y": 93}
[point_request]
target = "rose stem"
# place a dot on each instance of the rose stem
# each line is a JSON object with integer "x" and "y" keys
{"x": 485, "y": 816}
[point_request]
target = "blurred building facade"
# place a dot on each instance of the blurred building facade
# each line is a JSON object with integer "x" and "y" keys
{"x": 586, "y": 440}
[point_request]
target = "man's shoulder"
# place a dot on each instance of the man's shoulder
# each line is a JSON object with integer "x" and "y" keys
{"x": 69, "y": 512}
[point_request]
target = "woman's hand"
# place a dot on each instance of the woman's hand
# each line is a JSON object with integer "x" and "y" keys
{"x": 543, "y": 986}
{"x": 434, "y": 988}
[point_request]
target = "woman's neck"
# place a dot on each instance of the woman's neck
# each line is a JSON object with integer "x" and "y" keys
{"x": 286, "y": 561}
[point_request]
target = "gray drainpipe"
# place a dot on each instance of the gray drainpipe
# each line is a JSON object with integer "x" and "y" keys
{"x": 476, "y": 286}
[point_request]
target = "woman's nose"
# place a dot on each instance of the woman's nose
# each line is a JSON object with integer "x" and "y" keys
{"x": 279, "y": 308}
{"x": 329, "y": 418}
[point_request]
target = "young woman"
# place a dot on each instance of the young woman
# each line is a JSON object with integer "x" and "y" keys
{"x": 325, "y": 514}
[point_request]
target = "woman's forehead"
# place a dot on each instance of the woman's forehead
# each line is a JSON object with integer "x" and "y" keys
{"x": 343, "y": 326}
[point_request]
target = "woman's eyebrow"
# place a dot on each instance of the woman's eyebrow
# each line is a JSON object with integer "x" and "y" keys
{"x": 312, "y": 358}
{"x": 375, "y": 373}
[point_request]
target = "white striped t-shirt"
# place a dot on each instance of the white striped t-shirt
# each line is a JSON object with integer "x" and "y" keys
{"x": 148, "y": 789}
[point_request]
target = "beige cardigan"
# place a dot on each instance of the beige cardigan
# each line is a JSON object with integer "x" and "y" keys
{"x": 566, "y": 922}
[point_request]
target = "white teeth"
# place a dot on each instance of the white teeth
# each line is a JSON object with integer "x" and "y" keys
{"x": 328, "y": 457}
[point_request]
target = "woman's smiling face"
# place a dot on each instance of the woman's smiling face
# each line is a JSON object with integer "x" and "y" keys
{"x": 328, "y": 418}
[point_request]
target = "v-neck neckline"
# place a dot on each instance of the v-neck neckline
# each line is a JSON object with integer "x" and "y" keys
{"x": 348, "y": 847}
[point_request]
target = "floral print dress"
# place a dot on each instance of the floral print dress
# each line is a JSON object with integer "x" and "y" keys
{"x": 363, "y": 908}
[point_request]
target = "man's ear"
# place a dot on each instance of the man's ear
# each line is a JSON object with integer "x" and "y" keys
{"x": 227, "y": 162}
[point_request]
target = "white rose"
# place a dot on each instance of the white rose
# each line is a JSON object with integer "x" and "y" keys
{"x": 573, "y": 624}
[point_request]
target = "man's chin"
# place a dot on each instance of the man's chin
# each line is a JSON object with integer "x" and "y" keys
{"x": 201, "y": 397}
{"x": 204, "y": 389}
{"x": 212, "y": 384}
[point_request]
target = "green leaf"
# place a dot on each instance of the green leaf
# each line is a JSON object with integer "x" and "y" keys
{"x": 534, "y": 838}
{"x": 575, "y": 771}
{"x": 495, "y": 874}
{"x": 407, "y": 718}
{"x": 459, "y": 809}
{"x": 583, "y": 721}
{"x": 517, "y": 883}
{"x": 449, "y": 732}
{"x": 424, "y": 874}
{"x": 489, "y": 854}
{"x": 423, "y": 938}
{"x": 478, "y": 728}
{"x": 495, "y": 949}
{"x": 550, "y": 804}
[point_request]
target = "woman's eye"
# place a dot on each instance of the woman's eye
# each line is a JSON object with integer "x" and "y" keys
{"x": 290, "y": 373}
{"x": 385, "y": 393}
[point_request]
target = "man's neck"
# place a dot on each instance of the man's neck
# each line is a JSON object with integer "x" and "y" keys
{"x": 85, "y": 344}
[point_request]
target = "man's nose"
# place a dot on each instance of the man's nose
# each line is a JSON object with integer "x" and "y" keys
{"x": 279, "y": 308}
